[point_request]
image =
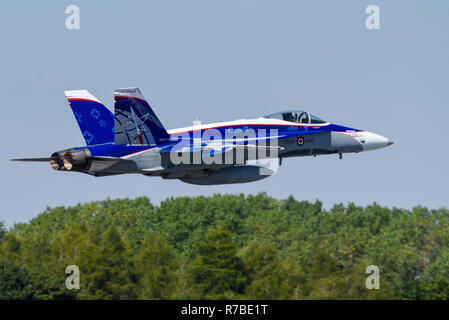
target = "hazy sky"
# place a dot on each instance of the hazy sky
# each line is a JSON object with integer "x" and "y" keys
{"x": 225, "y": 60}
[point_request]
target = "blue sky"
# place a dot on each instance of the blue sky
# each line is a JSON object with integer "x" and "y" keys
{"x": 225, "y": 60}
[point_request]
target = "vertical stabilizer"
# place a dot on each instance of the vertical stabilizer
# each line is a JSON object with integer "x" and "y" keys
{"x": 134, "y": 120}
{"x": 95, "y": 121}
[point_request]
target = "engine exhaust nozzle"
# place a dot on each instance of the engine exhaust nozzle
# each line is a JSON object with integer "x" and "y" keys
{"x": 77, "y": 160}
{"x": 55, "y": 161}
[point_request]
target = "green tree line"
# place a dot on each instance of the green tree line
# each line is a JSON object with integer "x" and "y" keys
{"x": 226, "y": 247}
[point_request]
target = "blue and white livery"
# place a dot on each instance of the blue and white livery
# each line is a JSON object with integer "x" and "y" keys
{"x": 133, "y": 140}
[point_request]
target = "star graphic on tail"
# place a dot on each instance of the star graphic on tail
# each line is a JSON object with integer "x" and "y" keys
{"x": 136, "y": 124}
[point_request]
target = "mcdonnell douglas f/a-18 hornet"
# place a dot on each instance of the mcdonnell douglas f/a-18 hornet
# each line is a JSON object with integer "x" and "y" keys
{"x": 133, "y": 140}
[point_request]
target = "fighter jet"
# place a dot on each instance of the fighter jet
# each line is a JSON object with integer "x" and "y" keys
{"x": 133, "y": 140}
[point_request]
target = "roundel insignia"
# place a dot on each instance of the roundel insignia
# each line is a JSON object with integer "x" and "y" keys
{"x": 300, "y": 141}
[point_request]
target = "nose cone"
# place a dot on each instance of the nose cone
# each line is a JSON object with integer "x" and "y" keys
{"x": 374, "y": 141}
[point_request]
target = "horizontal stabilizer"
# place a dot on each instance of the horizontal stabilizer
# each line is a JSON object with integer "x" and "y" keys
{"x": 32, "y": 159}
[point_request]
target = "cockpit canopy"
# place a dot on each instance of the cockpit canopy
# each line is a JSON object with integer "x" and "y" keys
{"x": 296, "y": 116}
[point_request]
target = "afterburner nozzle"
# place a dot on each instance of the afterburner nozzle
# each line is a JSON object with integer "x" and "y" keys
{"x": 56, "y": 162}
{"x": 77, "y": 160}
{"x": 68, "y": 161}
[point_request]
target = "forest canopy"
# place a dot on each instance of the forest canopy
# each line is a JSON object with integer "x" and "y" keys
{"x": 226, "y": 247}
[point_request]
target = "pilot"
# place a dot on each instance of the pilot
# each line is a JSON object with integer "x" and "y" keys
{"x": 303, "y": 118}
